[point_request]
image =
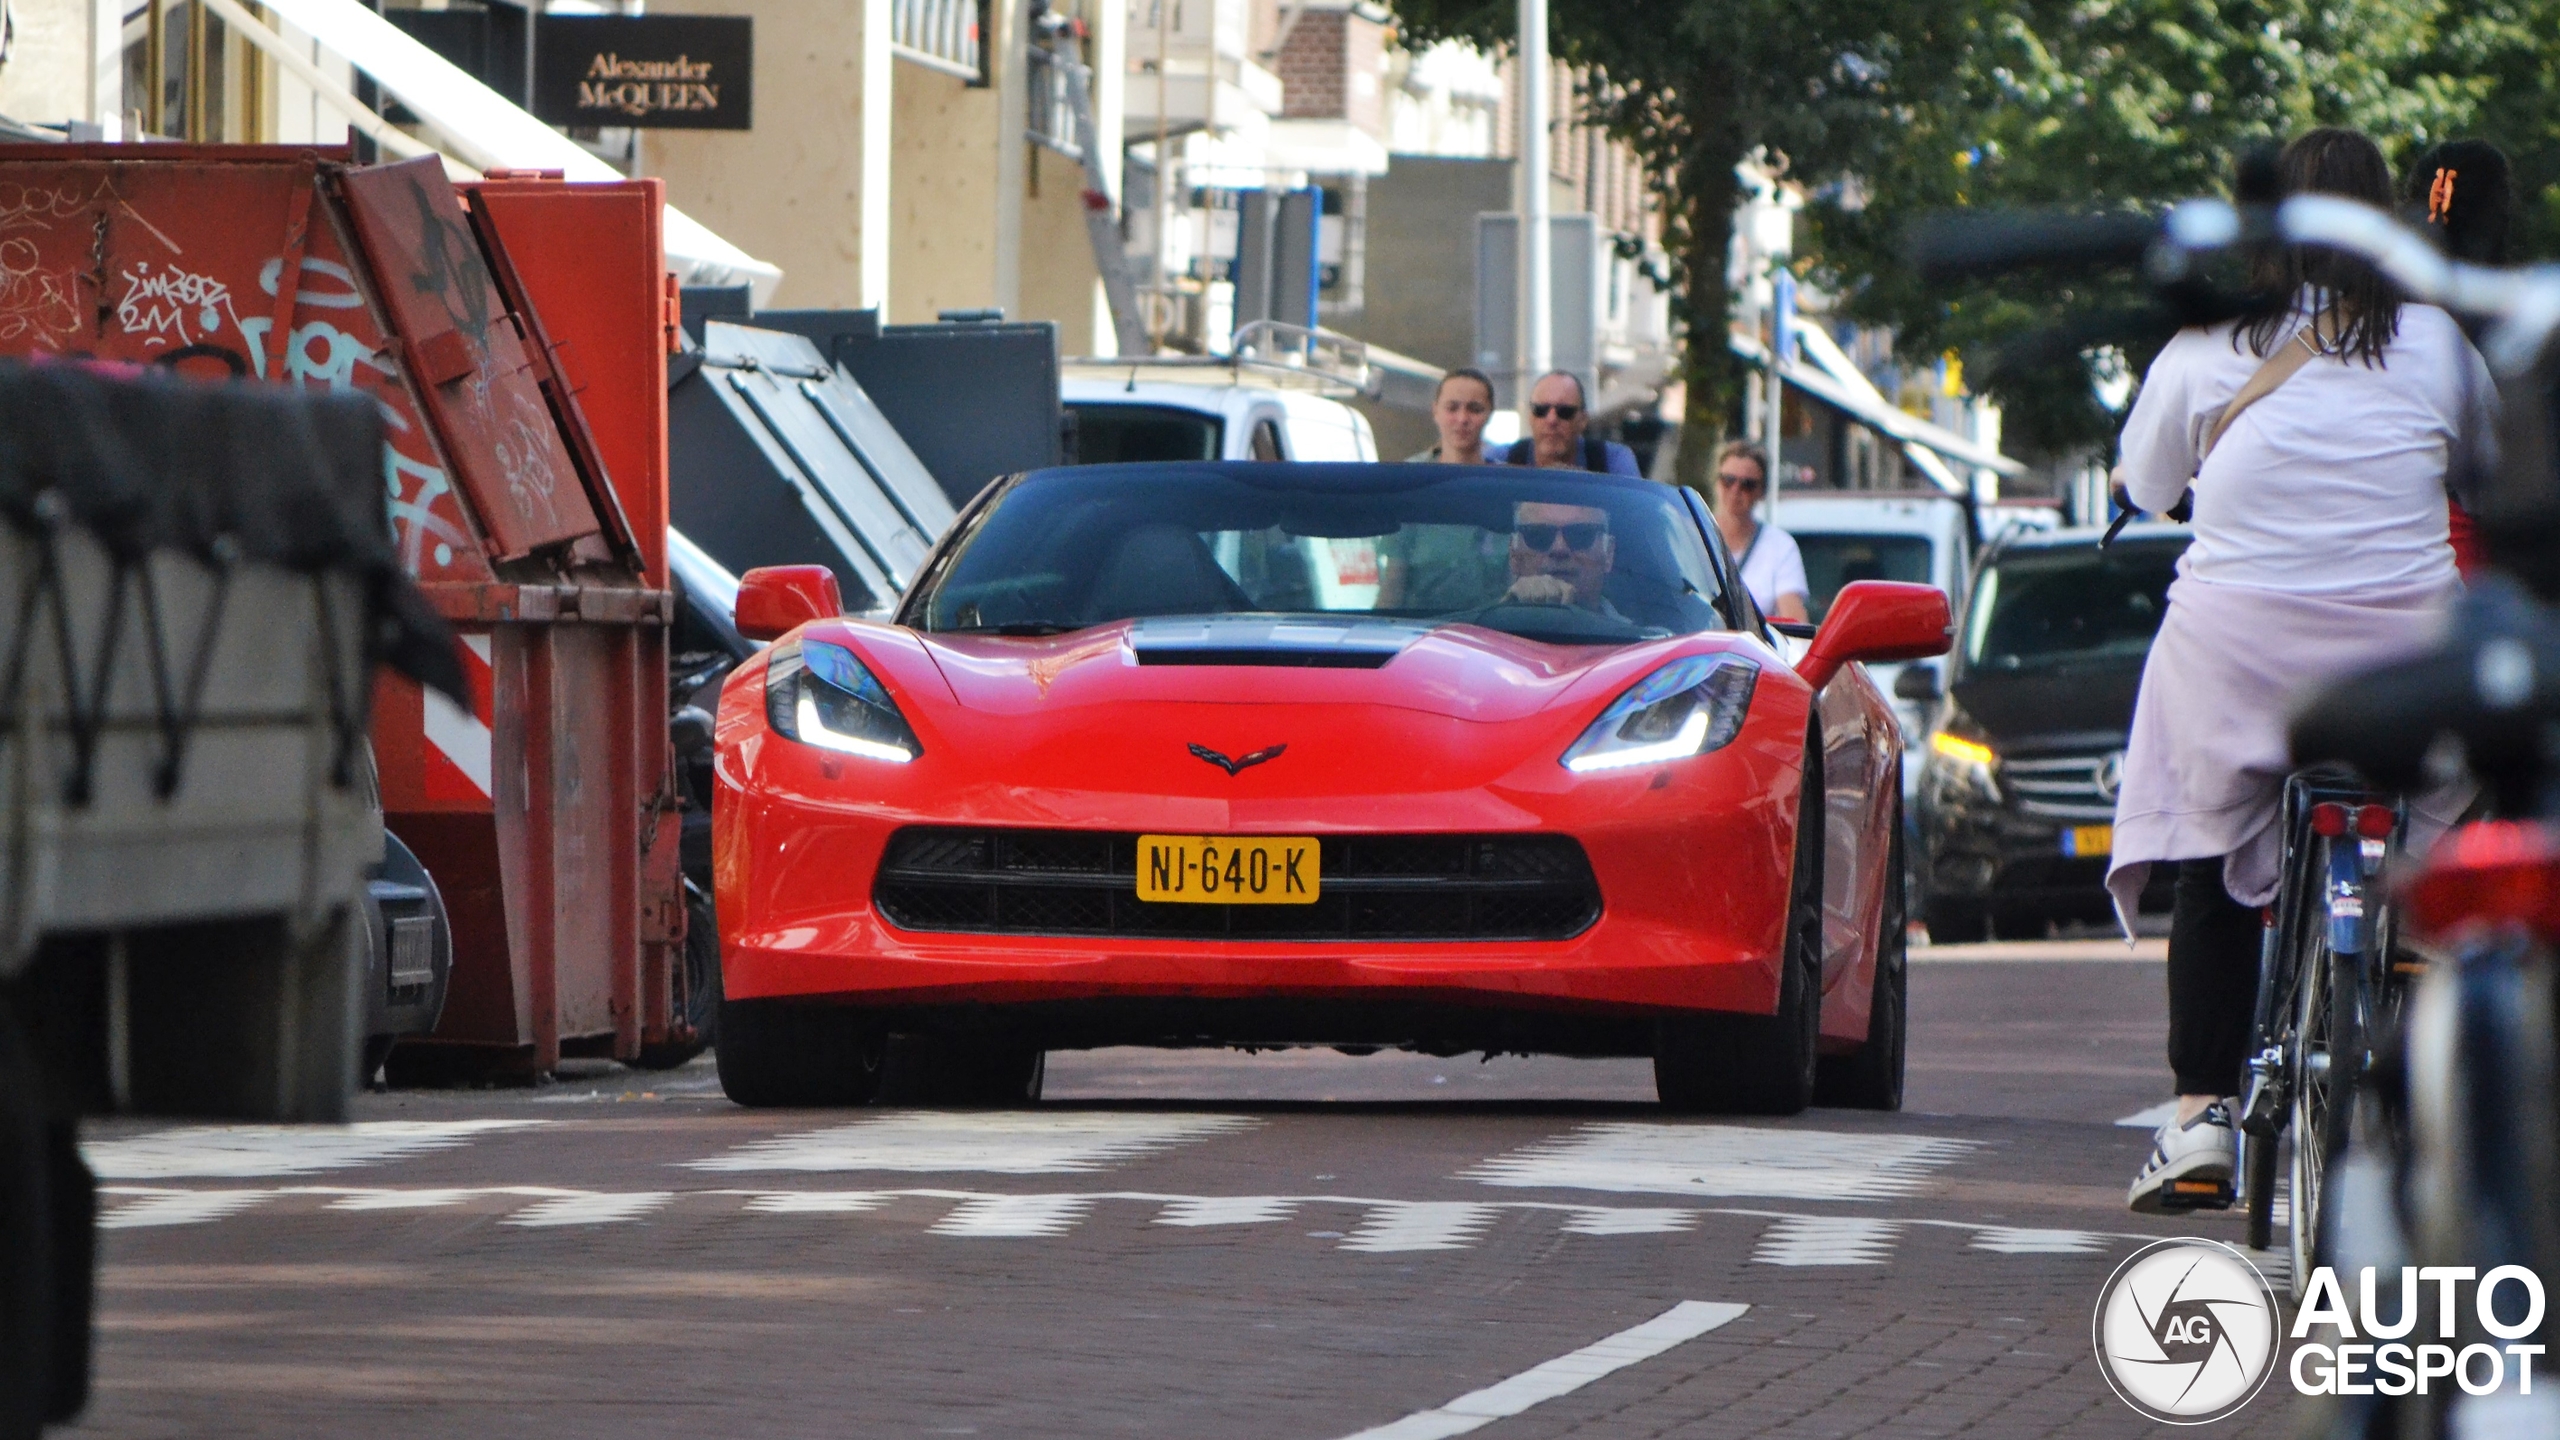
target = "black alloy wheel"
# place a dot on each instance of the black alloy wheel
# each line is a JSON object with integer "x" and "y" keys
{"x": 1870, "y": 1077}
{"x": 786, "y": 1053}
{"x": 1723, "y": 1064}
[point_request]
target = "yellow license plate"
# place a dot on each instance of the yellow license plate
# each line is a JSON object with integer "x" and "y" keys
{"x": 2089, "y": 840}
{"x": 1227, "y": 869}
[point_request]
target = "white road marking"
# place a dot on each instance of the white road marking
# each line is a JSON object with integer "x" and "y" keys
{"x": 1726, "y": 1160}
{"x": 401, "y": 1200}
{"x": 180, "y": 1207}
{"x": 1563, "y": 1375}
{"x": 1396, "y": 1226}
{"x": 1009, "y": 1216}
{"x": 2005, "y": 1240}
{"x": 1000, "y": 1144}
{"x": 1605, "y": 1220}
{"x": 1227, "y": 1210}
{"x": 589, "y": 1209}
{"x": 2152, "y": 1118}
{"x": 242, "y": 1151}
{"x": 1828, "y": 1240}
{"x": 819, "y": 1202}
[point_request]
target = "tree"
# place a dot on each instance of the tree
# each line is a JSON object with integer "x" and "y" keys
{"x": 1695, "y": 86}
{"x": 2099, "y": 103}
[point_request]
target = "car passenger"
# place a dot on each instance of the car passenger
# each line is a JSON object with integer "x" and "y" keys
{"x": 1560, "y": 555}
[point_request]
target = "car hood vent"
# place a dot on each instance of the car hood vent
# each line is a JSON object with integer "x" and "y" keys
{"x": 1271, "y": 641}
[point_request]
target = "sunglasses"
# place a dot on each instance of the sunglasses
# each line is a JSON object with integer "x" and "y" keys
{"x": 1576, "y": 537}
{"x": 1561, "y": 412}
{"x": 1747, "y": 484}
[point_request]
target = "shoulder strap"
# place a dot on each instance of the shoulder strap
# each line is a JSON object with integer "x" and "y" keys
{"x": 2312, "y": 341}
{"x": 1521, "y": 452}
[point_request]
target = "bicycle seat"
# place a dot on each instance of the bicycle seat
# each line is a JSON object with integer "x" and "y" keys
{"x": 2492, "y": 686}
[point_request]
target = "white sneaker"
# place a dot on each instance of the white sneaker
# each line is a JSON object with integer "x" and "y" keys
{"x": 2191, "y": 1166}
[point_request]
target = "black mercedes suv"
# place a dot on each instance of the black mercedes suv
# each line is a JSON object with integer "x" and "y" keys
{"x": 2018, "y": 786}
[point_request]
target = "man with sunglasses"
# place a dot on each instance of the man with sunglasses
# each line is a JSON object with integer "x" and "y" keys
{"x": 1558, "y": 416}
{"x": 1560, "y": 555}
{"x": 1771, "y": 564}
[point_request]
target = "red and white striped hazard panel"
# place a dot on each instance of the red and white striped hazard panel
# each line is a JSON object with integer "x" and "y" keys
{"x": 457, "y": 752}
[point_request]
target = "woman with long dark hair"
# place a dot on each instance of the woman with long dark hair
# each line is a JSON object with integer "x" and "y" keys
{"x": 2318, "y": 440}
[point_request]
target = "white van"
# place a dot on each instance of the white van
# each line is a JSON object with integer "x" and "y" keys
{"x": 1925, "y": 537}
{"x": 1174, "y": 409}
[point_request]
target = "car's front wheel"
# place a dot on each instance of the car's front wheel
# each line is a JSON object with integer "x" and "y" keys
{"x": 792, "y": 1053}
{"x": 1719, "y": 1064}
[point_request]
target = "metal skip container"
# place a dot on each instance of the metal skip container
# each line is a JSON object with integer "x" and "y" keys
{"x": 514, "y": 338}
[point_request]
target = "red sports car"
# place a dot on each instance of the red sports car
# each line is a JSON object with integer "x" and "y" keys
{"x": 1433, "y": 757}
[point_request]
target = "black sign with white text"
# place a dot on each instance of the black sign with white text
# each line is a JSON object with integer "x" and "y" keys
{"x": 667, "y": 72}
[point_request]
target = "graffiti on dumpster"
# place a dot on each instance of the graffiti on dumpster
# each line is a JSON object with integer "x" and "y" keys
{"x": 159, "y": 304}
{"x": 35, "y": 303}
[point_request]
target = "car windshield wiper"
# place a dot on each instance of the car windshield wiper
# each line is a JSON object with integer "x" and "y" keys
{"x": 1033, "y": 628}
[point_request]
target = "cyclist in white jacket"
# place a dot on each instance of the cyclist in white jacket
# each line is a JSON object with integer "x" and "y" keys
{"x": 2320, "y": 548}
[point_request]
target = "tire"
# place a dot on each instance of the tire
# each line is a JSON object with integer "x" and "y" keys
{"x": 2258, "y": 1161}
{"x": 1870, "y": 1077}
{"x": 968, "y": 1071}
{"x": 697, "y": 1001}
{"x": 72, "y": 1206}
{"x": 782, "y": 1053}
{"x": 1956, "y": 922}
{"x": 1722, "y": 1064}
{"x": 2018, "y": 923}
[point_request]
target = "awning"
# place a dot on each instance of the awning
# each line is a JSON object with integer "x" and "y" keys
{"x": 1854, "y": 395}
{"x": 488, "y": 133}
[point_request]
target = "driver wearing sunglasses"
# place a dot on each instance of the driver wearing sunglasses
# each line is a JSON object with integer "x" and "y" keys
{"x": 1560, "y": 555}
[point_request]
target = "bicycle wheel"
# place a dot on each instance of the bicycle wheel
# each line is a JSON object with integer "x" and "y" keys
{"x": 2268, "y": 1111}
{"x": 2320, "y": 1073}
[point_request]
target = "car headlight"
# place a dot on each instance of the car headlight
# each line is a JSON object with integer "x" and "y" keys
{"x": 1963, "y": 751}
{"x": 1687, "y": 707}
{"x": 823, "y": 695}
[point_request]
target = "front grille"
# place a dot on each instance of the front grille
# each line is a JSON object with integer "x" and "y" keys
{"x": 1375, "y": 887}
{"x": 2066, "y": 787}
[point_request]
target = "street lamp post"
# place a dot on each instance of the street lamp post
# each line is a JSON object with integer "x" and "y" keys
{"x": 1537, "y": 272}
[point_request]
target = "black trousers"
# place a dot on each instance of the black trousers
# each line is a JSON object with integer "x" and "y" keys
{"x": 2213, "y": 981}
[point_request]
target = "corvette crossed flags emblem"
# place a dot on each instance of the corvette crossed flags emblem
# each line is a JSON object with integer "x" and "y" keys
{"x": 1241, "y": 762}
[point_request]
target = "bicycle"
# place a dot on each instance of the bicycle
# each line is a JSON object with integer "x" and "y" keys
{"x": 2328, "y": 985}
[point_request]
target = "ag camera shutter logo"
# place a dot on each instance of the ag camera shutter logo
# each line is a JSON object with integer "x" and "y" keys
{"x": 2186, "y": 1331}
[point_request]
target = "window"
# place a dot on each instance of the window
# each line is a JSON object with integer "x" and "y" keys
{"x": 2045, "y": 608}
{"x": 1831, "y": 561}
{"x": 1109, "y": 434}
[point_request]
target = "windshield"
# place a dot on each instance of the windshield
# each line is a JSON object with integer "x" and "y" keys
{"x": 1831, "y": 561}
{"x": 2038, "y": 608}
{"x": 1564, "y": 556}
{"x": 1110, "y": 434}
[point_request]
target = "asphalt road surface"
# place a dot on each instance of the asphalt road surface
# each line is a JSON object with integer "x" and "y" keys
{"x": 1295, "y": 1246}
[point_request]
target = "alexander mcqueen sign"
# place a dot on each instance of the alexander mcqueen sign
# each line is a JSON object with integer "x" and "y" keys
{"x": 671, "y": 72}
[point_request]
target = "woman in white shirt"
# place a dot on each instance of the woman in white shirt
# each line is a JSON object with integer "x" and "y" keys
{"x": 2320, "y": 549}
{"x": 1771, "y": 565}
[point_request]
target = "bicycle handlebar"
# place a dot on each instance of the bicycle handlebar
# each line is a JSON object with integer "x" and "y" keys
{"x": 1956, "y": 245}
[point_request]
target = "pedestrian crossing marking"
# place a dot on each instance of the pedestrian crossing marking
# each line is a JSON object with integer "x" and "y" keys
{"x": 590, "y": 1209}
{"x": 1385, "y": 1227}
{"x": 239, "y": 1152}
{"x": 1726, "y": 1160}
{"x": 1227, "y": 1210}
{"x": 1012, "y": 1216}
{"x": 1397, "y": 1226}
{"x": 181, "y": 1207}
{"x": 1827, "y": 1240}
{"x": 925, "y": 1141}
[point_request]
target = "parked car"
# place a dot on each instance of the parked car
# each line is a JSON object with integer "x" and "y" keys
{"x": 1139, "y": 763}
{"x": 1924, "y": 537}
{"x": 2018, "y": 791}
{"x": 1193, "y": 410}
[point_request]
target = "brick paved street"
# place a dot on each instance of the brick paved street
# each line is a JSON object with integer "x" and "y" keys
{"x": 1172, "y": 1245}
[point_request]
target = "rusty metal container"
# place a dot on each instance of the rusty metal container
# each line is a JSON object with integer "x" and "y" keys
{"x": 514, "y": 333}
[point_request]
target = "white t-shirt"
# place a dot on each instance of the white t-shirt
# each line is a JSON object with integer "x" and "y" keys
{"x": 2332, "y": 482}
{"x": 1772, "y": 567}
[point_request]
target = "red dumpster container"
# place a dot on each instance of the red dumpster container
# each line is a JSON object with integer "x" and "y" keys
{"x": 515, "y": 333}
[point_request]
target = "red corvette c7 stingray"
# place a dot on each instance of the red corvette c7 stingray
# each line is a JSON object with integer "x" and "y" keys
{"x": 1436, "y": 757}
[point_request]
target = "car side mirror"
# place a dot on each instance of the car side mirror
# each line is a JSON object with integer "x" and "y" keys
{"x": 1918, "y": 682}
{"x": 1878, "y": 620}
{"x": 774, "y": 600}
